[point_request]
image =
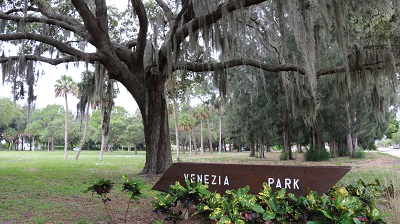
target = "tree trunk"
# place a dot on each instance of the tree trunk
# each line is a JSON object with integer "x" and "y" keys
{"x": 267, "y": 144}
{"x": 201, "y": 137}
{"x": 190, "y": 145}
{"x": 286, "y": 141}
{"x": 155, "y": 122}
{"x": 209, "y": 135}
{"x": 102, "y": 147}
{"x": 220, "y": 134}
{"x": 52, "y": 144}
{"x": 350, "y": 145}
{"x": 261, "y": 152}
{"x": 66, "y": 128}
{"x": 175, "y": 106}
{"x": 355, "y": 142}
{"x": 332, "y": 147}
{"x": 135, "y": 145}
{"x": 193, "y": 133}
{"x": 252, "y": 149}
{"x": 84, "y": 133}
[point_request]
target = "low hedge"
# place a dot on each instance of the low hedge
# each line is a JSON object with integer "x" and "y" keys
{"x": 352, "y": 203}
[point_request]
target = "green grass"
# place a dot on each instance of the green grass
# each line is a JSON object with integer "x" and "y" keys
{"x": 42, "y": 187}
{"x": 35, "y": 184}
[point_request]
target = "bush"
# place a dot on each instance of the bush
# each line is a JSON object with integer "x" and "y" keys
{"x": 58, "y": 147}
{"x": 360, "y": 153}
{"x": 316, "y": 156}
{"x": 283, "y": 155}
{"x": 353, "y": 203}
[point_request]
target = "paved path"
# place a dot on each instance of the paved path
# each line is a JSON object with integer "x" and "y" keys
{"x": 393, "y": 152}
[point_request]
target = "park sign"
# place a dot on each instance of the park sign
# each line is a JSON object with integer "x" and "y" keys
{"x": 221, "y": 177}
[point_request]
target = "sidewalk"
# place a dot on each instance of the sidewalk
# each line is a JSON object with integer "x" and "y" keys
{"x": 393, "y": 152}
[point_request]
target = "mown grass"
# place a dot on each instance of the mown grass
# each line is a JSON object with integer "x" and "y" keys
{"x": 42, "y": 187}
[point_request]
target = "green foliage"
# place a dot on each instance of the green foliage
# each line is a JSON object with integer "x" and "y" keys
{"x": 316, "y": 155}
{"x": 392, "y": 128}
{"x": 132, "y": 187}
{"x": 193, "y": 194}
{"x": 103, "y": 187}
{"x": 283, "y": 155}
{"x": 352, "y": 203}
{"x": 360, "y": 153}
{"x": 11, "y": 114}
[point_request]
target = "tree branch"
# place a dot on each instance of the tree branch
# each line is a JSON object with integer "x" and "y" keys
{"x": 92, "y": 25}
{"x": 31, "y": 19}
{"x": 30, "y": 8}
{"x": 196, "y": 23}
{"x": 62, "y": 47}
{"x": 203, "y": 67}
{"x": 166, "y": 9}
{"x": 102, "y": 16}
{"x": 143, "y": 26}
{"x": 42, "y": 8}
{"x": 89, "y": 57}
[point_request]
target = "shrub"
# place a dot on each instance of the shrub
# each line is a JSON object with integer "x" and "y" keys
{"x": 58, "y": 147}
{"x": 193, "y": 194}
{"x": 353, "y": 203}
{"x": 283, "y": 155}
{"x": 360, "y": 153}
{"x": 316, "y": 156}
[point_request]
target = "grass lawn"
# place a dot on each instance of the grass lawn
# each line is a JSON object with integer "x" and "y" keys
{"x": 42, "y": 187}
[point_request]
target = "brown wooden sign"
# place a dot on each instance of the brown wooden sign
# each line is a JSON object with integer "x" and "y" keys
{"x": 221, "y": 177}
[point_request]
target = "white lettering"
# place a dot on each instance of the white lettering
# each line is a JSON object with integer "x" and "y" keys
{"x": 199, "y": 178}
{"x": 270, "y": 181}
{"x": 226, "y": 181}
{"x": 295, "y": 184}
{"x": 192, "y": 178}
{"x": 287, "y": 183}
{"x": 213, "y": 180}
{"x": 206, "y": 179}
{"x": 278, "y": 183}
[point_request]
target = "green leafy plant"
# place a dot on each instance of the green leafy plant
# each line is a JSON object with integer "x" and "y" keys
{"x": 132, "y": 187}
{"x": 103, "y": 187}
{"x": 185, "y": 197}
{"x": 351, "y": 203}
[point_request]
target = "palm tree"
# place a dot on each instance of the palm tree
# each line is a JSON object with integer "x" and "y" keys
{"x": 207, "y": 117}
{"x": 201, "y": 113}
{"x": 64, "y": 86}
{"x": 186, "y": 124}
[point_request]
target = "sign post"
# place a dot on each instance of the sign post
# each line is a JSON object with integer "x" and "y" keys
{"x": 221, "y": 177}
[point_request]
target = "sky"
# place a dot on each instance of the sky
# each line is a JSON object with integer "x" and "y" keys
{"x": 44, "y": 89}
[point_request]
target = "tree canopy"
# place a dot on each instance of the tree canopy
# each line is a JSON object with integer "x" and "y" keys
{"x": 142, "y": 47}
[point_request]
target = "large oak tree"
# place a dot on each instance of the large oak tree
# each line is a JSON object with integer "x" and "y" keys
{"x": 142, "y": 47}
